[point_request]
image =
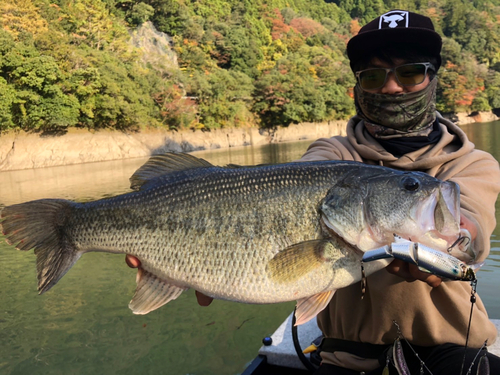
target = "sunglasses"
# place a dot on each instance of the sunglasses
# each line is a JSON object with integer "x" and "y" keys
{"x": 406, "y": 75}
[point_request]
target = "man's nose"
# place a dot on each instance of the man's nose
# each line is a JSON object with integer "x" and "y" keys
{"x": 391, "y": 85}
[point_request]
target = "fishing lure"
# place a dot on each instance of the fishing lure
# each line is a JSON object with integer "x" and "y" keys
{"x": 399, "y": 358}
{"x": 483, "y": 368}
{"x": 431, "y": 260}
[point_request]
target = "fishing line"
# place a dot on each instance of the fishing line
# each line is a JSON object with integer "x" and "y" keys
{"x": 477, "y": 355}
{"x": 473, "y": 285}
{"x": 422, "y": 363}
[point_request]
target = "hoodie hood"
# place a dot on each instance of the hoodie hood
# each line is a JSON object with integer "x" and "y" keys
{"x": 453, "y": 140}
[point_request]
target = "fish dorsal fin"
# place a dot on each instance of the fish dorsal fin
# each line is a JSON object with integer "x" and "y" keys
{"x": 159, "y": 165}
{"x": 152, "y": 293}
{"x": 308, "y": 308}
{"x": 299, "y": 259}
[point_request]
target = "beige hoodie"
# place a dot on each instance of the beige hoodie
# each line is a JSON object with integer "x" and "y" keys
{"x": 427, "y": 316}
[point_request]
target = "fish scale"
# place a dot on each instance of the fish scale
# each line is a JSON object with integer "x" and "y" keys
{"x": 261, "y": 234}
{"x": 243, "y": 222}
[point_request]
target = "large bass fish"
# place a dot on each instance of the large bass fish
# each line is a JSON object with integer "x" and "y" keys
{"x": 262, "y": 234}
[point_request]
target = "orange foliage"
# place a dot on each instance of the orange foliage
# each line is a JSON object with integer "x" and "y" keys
{"x": 174, "y": 107}
{"x": 279, "y": 27}
{"x": 354, "y": 27}
{"x": 306, "y": 26}
{"x": 190, "y": 43}
{"x": 344, "y": 38}
{"x": 434, "y": 14}
{"x": 450, "y": 66}
{"x": 459, "y": 90}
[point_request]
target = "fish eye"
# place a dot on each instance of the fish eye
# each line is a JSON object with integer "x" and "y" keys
{"x": 410, "y": 183}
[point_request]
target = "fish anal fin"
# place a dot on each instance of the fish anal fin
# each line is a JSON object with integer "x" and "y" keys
{"x": 159, "y": 165}
{"x": 152, "y": 293}
{"x": 308, "y": 308}
{"x": 299, "y": 259}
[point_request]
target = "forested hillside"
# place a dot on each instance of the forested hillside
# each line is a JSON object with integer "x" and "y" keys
{"x": 70, "y": 63}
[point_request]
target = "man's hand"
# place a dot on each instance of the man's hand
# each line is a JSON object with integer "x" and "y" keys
{"x": 133, "y": 262}
{"x": 203, "y": 300}
{"x": 411, "y": 272}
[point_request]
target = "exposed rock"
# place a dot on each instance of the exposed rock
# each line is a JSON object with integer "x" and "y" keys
{"x": 469, "y": 118}
{"x": 19, "y": 150}
{"x": 156, "y": 47}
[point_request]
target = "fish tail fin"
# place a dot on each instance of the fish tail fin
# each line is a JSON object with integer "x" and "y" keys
{"x": 40, "y": 225}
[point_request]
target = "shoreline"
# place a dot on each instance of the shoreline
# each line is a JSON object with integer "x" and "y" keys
{"x": 20, "y": 150}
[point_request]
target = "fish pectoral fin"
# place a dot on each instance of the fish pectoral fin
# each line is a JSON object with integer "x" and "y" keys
{"x": 152, "y": 293}
{"x": 299, "y": 259}
{"x": 308, "y": 308}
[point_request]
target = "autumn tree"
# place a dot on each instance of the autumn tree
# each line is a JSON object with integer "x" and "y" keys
{"x": 21, "y": 16}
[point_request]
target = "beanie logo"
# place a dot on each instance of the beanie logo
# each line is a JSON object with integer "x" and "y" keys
{"x": 393, "y": 19}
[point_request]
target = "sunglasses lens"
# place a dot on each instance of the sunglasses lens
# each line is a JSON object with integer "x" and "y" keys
{"x": 411, "y": 74}
{"x": 371, "y": 79}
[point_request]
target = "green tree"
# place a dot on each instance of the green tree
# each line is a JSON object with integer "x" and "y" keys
{"x": 222, "y": 98}
{"x": 493, "y": 89}
{"x": 170, "y": 15}
{"x": 39, "y": 102}
{"x": 289, "y": 94}
{"x": 7, "y": 101}
{"x": 17, "y": 16}
{"x": 140, "y": 13}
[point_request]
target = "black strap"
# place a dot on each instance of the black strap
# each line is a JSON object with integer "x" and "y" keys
{"x": 360, "y": 349}
{"x": 298, "y": 349}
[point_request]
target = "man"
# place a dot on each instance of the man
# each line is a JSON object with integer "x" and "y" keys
{"x": 395, "y": 59}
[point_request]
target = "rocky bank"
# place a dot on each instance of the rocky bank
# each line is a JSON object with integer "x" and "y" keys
{"x": 19, "y": 150}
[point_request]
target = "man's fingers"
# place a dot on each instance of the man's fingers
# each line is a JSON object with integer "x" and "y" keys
{"x": 203, "y": 300}
{"x": 430, "y": 279}
{"x": 411, "y": 273}
{"x": 400, "y": 268}
{"x": 132, "y": 261}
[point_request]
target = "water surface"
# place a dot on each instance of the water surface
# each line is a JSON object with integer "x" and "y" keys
{"x": 83, "y": 324}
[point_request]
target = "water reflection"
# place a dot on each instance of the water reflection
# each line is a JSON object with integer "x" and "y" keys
{"x": 486, "y": 136}
{"x": 81, "y": 181}
{"x": 89, "y": 181}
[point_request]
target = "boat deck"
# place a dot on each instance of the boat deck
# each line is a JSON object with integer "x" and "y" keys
{"x": 281, "y": 358}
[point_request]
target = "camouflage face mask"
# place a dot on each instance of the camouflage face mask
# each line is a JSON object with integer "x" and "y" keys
{"x": 406, "y": 114}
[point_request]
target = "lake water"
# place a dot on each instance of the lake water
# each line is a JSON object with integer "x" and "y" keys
{"x": 83, "y": 325}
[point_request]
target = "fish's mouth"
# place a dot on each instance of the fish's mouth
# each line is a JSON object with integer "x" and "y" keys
{"x": 438, "y": 217}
